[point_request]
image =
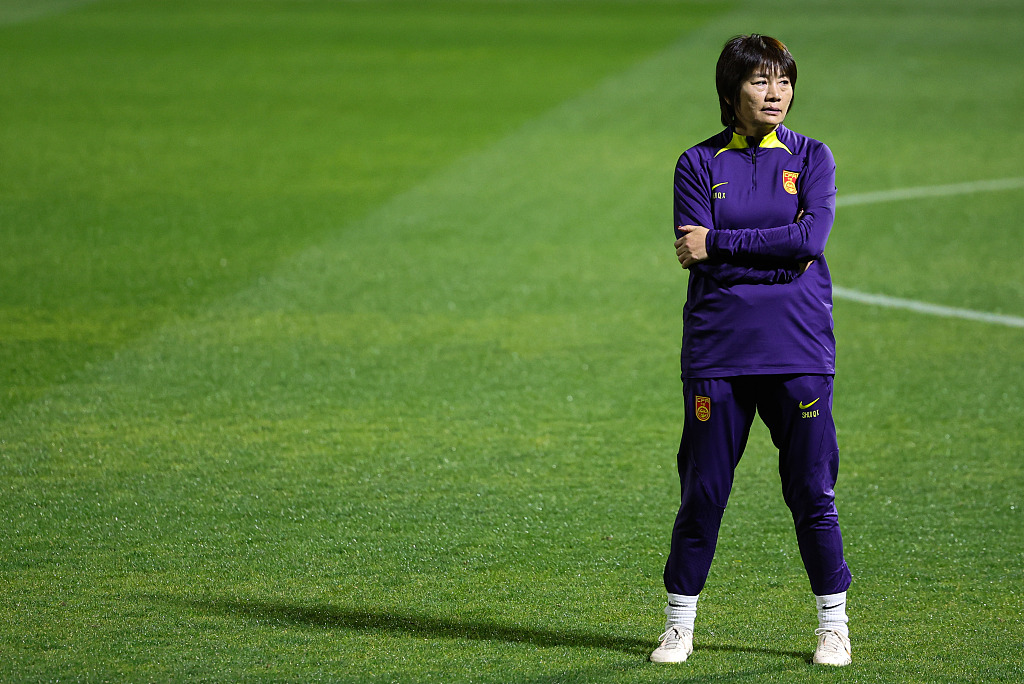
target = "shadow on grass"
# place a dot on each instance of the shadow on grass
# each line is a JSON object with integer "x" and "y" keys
{"x": 412, "y": 624}
{"x": 418, "y": 625}
{"x": 734, "y": 648}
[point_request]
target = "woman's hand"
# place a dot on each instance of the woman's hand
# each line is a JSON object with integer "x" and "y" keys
{"x": 692, "y": 246}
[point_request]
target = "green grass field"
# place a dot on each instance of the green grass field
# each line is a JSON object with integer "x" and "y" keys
{"x": 339, "y": 341}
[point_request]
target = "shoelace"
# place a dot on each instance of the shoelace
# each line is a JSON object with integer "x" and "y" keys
{"x": 832, "y": 641}
{"x": 671, "y": 636}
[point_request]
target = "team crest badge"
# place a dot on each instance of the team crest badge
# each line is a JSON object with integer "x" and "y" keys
{"x": 789, "y": 181}
{"x": 703, "y": 408}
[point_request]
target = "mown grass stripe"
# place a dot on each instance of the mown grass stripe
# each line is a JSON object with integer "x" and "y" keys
{"x": 21, "y": 11}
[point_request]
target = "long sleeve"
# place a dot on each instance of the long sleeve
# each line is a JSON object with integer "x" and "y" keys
{"x": 798, "y": 241}
{"x": 693, "y": 207}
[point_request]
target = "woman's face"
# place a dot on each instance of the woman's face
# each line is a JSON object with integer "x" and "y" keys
{"x": 763, "y": 103}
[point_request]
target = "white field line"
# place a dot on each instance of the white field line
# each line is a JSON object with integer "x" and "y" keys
{"x": 930, "y": 191}
{"x": 917, "y": 193}
{"x": 925, "y": 308}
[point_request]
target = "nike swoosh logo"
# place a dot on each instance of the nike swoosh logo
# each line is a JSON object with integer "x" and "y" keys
{"x": 718, "y": 185}
{"x": 806, "y": 406}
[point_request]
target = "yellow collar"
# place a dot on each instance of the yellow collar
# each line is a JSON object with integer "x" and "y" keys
{"x": 739, "y": 142}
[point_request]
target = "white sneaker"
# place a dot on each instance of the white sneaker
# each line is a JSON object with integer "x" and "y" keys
{"x": 676, "y": 646}
{"x": 833, "y": 648}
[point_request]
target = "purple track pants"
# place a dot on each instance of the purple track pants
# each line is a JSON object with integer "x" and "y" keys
{"x": 719, "y": 413}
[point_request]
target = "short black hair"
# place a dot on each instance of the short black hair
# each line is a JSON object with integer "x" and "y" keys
{"x": 740, "y": 57}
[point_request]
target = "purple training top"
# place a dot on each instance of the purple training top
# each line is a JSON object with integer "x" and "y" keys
{"x": 749, "y": 310}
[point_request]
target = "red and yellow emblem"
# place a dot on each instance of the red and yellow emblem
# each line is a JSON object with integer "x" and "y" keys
{"x": 789, "y": 181}
{"x": 703, "y": 408}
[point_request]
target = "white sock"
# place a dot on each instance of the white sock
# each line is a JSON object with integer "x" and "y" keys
{"x": 681, "y": 610}
{"x": 832, "y": 613}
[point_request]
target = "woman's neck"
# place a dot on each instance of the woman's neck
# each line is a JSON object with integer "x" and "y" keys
{"x": 756, "y": 132}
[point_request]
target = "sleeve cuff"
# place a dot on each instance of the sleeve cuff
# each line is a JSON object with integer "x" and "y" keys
{"x": 711, "y": 243}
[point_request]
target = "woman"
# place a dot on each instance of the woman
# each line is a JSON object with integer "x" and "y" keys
{"x": 753, "y": 209}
